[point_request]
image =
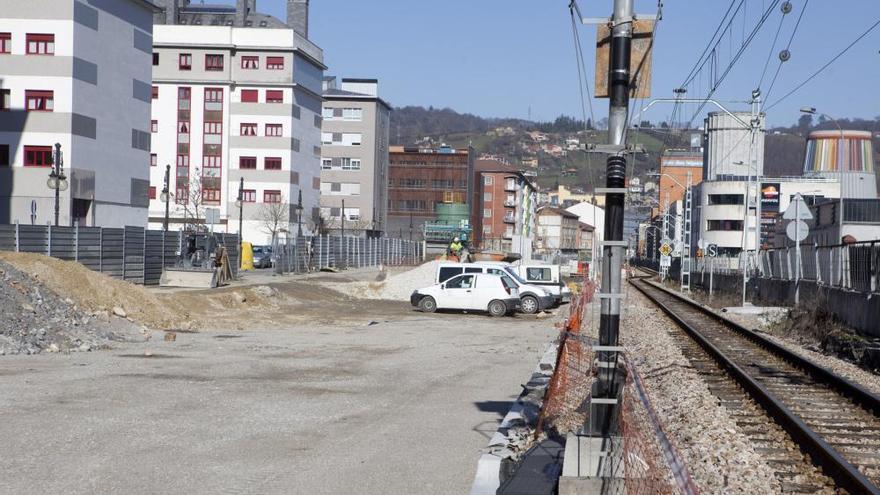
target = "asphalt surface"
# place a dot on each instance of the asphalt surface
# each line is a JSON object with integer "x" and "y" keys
{"x": 399, "y": 407}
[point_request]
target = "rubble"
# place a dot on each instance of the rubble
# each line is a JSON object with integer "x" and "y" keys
{"x": 395, "y": 287}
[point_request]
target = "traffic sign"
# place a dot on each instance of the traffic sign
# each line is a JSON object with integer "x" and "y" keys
{"x": 665, "y": 261}
{"x": 797, "y": 230}
{"x": 797, "y": 209}
{"x": 665, "y": 250}
{"x": 711, "y": 250}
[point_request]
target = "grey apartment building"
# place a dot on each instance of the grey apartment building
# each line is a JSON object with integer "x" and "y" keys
{"x": 354, "y": 156}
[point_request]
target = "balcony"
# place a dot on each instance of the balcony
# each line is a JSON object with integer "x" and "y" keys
{"x": 508, "y": 234}
{"x": 509, "y": 219}
{"x": 510, "y": 204}
{"x": 510, "y": 185}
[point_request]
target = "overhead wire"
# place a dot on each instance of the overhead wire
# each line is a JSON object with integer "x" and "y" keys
{"x": 787, "y": 48}
{"x": 583, "y": 84}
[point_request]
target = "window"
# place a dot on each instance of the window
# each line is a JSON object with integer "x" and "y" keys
{"x": 213, "y": 95}
{"x": 725, "y": 199}
{"x": 487, "y": 180}
{"x": 725, "y": 225}
{"x": 249, "y": 96}
{"x": 248, "y": 195}
{"x": 487, "y": 197}
{"x": 213, "y": 128}
{"x": 152, "y": 192}
{"x": 326, "y": 163}
{"x": 250, "y": 62}
{"x": 316, "y": 183}
{"x": 155, "y": 58}
{"x": 154, "y": 126}
{"x": 154, "y": 160}
{"x": 37, "y": 156}
{"x": 4, "y": 155}
{"x": 39, "y": 101}
{"x": 539, "y": 275}
{"x": 275, "y": 63}
{"x": 448, "y": 272}
{"x": 351, "y": 164}
{"x": 155, "y": 92}
{"x": 5, "y": 42}
{"x": 353, "y": 139}
{"x": 272, "y": 163}
{"x": 271, "y": 196}
{"x": 274, "y": 96}
{"x": 273, "y": 130}
{"x": 487, "y": 213}
{"x": 40, "y": 44}
{"x": 462, "y": 282}
{"x": 185, "y": 61}
{"x": 294, "y": 143}
{"x": 327, "y": 113}
{"x": 248, "y": 129}
{"x": 353, "y": 114}
{"x": 214, "y": 62}
{"x": 318, "y": 121}
{"x": 294, "y": 178}
{"x": 4, "y": 99}
{"x": 247, "y": 162}
{"x": 443, "y": 184}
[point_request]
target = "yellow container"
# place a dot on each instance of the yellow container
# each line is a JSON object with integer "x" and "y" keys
{"x": 247, "y": 256}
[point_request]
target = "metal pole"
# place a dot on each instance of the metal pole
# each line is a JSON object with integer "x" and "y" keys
{"x": 240, "y": 209}
{"x": 612, "y": 250}
{"x": 167, "y": 196}
{"x": 797, "y": 248}
{"x": 57, "y": 170}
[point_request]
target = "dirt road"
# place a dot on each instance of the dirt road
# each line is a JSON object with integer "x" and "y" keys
{"x": 402, "y": 406}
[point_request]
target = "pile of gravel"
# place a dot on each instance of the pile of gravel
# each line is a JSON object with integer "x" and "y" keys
{"x": 396, "y": 287}
{"x": 35, "y": 319}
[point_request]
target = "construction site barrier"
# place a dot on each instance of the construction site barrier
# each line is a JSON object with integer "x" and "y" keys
{"x": 313, "y": 253}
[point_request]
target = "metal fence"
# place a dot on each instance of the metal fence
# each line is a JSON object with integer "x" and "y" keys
{"x": 847, "y": 266}
{"x": 133, "y": 254}
{"x": 311, "y": 253}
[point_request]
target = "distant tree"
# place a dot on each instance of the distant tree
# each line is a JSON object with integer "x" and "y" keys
{"x": 805, "y": 122}
{"x": 190, "y": 201}
{"x": 274, "y": 217}
{"x": 646, "y": 124}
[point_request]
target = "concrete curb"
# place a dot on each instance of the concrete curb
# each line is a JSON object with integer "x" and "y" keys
{"x": 516, "y": 429}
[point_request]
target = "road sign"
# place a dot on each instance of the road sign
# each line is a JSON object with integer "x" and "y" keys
{"x": 665, "y": 261}
{"x": 797, "y": 230}
{"x": 797, "y": 209}
{"x": 665, "y": 250}
{"x": 212, "y": 216}
{"x": 711, "y": 250}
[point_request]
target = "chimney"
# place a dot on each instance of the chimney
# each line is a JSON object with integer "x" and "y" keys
{"x": 298, "y": 16}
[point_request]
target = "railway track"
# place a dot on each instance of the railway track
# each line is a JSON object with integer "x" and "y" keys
{"x": 833, "y": 421}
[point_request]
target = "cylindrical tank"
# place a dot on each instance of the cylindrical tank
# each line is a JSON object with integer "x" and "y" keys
{"x": 847, "y": 156}
{"x": 729, "y": 152}
{"x": 452, "y": 213}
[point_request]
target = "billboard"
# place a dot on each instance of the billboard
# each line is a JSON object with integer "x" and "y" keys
{"x": 769, "y": 210}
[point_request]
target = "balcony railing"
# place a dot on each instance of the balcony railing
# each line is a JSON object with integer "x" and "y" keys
{"x": 509, "y": 219}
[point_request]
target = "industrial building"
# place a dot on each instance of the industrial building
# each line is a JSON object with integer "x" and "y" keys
{"x": 236, "y": 96}
{"x": 503, "y": 216}
{"x": 354, "y": 156}
{"x": 68, "y": 67}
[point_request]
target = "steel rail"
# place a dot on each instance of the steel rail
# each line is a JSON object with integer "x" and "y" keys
{"x": 824, "y": 455}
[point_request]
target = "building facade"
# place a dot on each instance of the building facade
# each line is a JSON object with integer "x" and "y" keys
{"x": 75, "y": 73}
{"x": 233, "y": 104}
{"x": 504, "y": 213}
{"x": 558, "y": 232}
{"x": 677, "y": 168}
{"x": 354, "y": 155}
{"x": 731, "y": 150}
{"x": 424, "y": 181}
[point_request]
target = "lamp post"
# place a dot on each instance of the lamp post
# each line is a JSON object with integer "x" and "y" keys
{"x": 165, "y": 196}
{"x": 239, "y": 203}
{"x": 299, "y": 209}
{"x": 57, "y": 180}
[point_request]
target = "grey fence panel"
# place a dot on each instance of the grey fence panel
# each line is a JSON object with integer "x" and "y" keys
{"x": 133, "y": 255}
{"x": 112, "y": 252}
{"x": 171, "y": 249}
{"x": 88, "y": 247}
{"x": 62, "y": 243}
{"x": 233, "y": 248}
{"x": 33, "y": 238}
{"x": 7, "y": 237}
{"x": 153, "y": 256}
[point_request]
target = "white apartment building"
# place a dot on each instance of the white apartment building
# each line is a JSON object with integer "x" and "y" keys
{"x": 233, "y": 103}
{"x": 354, "y": 159}
{"x": 75, "y": 73}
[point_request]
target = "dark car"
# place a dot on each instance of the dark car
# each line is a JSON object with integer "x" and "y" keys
{"x": 262, "y": 256}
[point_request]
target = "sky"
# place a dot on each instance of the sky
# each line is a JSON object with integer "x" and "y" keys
{"x": 516, "y": 58}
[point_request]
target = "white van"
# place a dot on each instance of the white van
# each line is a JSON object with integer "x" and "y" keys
{"x": 547, "y": 277}
{"x": 532, "y": 298}
{"x": 495, "y": 294}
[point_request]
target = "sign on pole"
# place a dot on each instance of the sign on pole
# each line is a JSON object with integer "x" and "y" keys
{"x": 797, "y": 230}
{"x": 797, "y": 209}
{"x": 665, "y": 261}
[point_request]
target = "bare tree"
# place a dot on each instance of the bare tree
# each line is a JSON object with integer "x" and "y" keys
{"x": 274, "y": 217}
{"x": 191, "y": 201}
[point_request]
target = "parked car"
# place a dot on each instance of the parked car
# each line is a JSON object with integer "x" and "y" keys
{"x": 262, "y": 256}
{"x": 546, "y": 277}
{"x": 533, "y": 298}
{"x": 495, "y": 294}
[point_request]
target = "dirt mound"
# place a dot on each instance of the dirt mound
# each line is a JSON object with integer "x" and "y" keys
{"x": 396, "y": 287}
{"x": 36, "y": 319}
{"x": 94, "y": 291}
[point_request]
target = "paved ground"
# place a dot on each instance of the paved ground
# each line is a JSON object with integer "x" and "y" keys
{"x": 403, "y": 406}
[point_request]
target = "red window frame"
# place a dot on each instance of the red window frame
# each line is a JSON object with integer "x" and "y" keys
{"x": 274, "y": 96}
{"x": 211, "y": 195}
{"x": 152, "y": 192}
{"x": 214, "y": 95}
{"x": 274, "y": 130}
{"x": 247, "y": 162}
{"x": 248, "y": 195}
{"x": 5, "y": 99}
{"x": 39, "y": 44}
{"x": 155, "y": 92}
{"x": 5, "y": 43}
{"x": 155, "y": 58}
{"x": 272, "y": 196}
{"x": 184, "y": 61}
{"x": 213, "y": 127}
{"x": 248, "y": 129}
{"x": 39, "y": 100}
{"x": 272, "y": 163}
{"x": 275, "y": 63}
{"x": 250, "y": 63}
{"x": 213, "y": 62}
{"x": 154, "y": 126}
{"x": 250, "y": 96}
{"x": 37, "y": 156}
{"x": 154, "y": 160}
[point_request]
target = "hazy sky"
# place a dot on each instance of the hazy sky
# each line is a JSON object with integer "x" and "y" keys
{"x": 497, "y": 58}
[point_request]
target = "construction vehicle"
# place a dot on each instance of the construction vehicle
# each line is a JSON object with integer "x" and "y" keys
{"x": 202, "y": 262}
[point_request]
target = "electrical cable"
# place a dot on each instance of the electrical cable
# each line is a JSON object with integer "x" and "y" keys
{"x": 772, "y": 47}
{"x": 787, "y": 48}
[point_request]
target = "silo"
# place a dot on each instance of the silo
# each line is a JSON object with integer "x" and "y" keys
{"x": 729, "y": 152}
{"x": 846, "y": 156}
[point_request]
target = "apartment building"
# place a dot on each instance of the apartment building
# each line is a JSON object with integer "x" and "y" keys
{"x": 675, "y": 168}
{"x": 503, "y": 217}
{"x": 236, "y": 103}
{"x": 558, "y": 232}
{"x": 354, "y": 155}
{"x": 422, "y": 179}
{"x": 77, "y": 74}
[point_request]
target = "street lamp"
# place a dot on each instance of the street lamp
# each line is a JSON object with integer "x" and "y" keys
{"x": 299, "y": 209}
{"x": 239, "y": 203}
{"x": 57, "y": 180}
{"x": 165, "y": 196}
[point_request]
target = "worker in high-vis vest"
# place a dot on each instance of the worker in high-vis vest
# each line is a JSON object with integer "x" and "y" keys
{"x": 455, "y": 247}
